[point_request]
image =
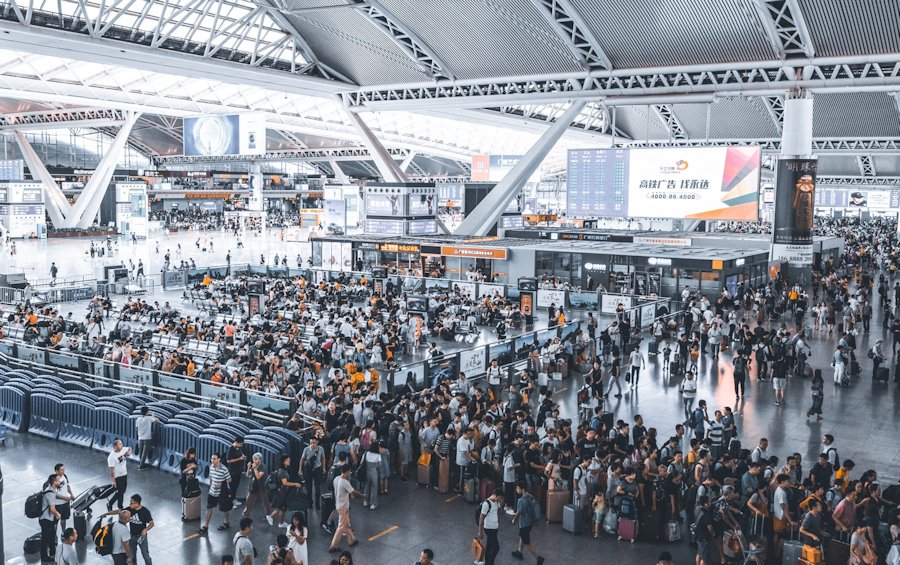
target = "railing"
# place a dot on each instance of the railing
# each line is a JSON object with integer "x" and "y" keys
{"x": 51, "y": 294}
{"x": 475, "y": 361}
{"x": 267, "y": 408}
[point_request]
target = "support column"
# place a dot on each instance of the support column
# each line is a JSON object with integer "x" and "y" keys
{"x": 88, "y": 203}
{"x": 387, "y": 167}
{"x": 339, "y": 174}
{"x": 795, "y": 176}
{"x": 256, "y": 187}
{"x": 404, "y": 166}
{"x": 485, "y": 215}
{"x": 54, "y": 199}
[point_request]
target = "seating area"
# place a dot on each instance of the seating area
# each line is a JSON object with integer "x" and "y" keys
{"x": 75, "y": 413}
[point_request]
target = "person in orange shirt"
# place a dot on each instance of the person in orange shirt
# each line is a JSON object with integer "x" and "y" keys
{"x": 561, "y": 317}
{"x": 844, "y": 473}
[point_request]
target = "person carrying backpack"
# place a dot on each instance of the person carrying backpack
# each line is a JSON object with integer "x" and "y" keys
{"x": 528, "y": 513}
{"x": 489, "y": 526}
{"x": 48, "y": 517}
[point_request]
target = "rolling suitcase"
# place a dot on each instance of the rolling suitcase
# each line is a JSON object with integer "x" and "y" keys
{"x": 573, "y": 519}
{"x": 854, "y": 367}
{"x": 190, "y": 509}
{"x": 486, "y": 488}
{"x": 627, "y": 529}
{"x": 423, "y": 475}
{"x": 884, "y": 374}
{"x": 83, "y": 502}
{"x": 562, "y": 366}
{"x": 792, "y": 551}
{"x": 444, "y": 476}
{"x": 79, "y": 522}
{"x": 651, "y": 523}
{"x": 326, "y": 501}
{"x": 539, "y": 492}
{"x": 653, "y": 348}
{"x": 838, "y": 550}
{"x": 556, "y": 500}
{"x": 470, "y": 490}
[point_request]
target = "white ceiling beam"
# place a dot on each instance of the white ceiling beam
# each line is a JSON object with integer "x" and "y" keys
{"x": 574, "y": 32}
{"x": 866, "y": 166}
{"x": 785, "y": 28}
{"x": 666, "y": 114}
{"x": 69, "y": 45}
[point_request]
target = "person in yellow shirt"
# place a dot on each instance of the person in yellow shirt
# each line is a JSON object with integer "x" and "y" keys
{"x": 844, "y": 473}
{"x": 561, "y": 317}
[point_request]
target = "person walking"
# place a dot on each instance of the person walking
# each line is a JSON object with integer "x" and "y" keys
{"x": 140, "y": 523}
{"x": 312, "y": 464}
{"x": 49, "y": 518}
{"x": 489, "y": 526}
{"x": 343, "y": 490}
{"x": 256, "y": 471}
{"x": 526, "y": 520}
{"x": 219, "y": 486}
{"x": 637, "y": 363}
{"x": 818, "y": 393}
{"x": 144, "y": 426}
{"x": 284, "y": 484}
{"x": 688, "y": 393}
{"x": 121, "y": 539}
{"x": 65, "y": 552}
{"x": 741, "y": 367}
{"x": 118, "y": 472}
{"x": 615, "y": 369}
{"x": 244, "y": 552}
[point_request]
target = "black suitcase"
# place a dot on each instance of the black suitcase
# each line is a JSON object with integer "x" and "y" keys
{"x": 653, "y": 348}
{"x": 79, "y": 520}
{"x": 884, "y": 374}
{"x": 32, "y": 545}
{"x": 83, "y": 501}
{"x": 327, "y": 503}
{"x": 854, "y": 368}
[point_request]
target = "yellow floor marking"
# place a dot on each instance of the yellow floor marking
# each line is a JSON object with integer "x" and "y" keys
{"x": 192, "y": 536}
{"x": 384, "y": 533}
{"x": 452, "y": 498}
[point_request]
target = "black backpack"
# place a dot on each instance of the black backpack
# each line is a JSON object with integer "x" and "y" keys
{"x": 34, "y": 504}
{"x": 102, "y": 535}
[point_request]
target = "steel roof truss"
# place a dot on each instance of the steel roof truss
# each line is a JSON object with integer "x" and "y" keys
{"x": 576, "y": 34}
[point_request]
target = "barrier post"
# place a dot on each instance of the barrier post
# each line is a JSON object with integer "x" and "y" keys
{"x": 2, "y": 551}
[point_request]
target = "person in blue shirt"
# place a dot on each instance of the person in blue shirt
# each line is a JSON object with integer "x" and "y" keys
{"x": 526, "y": 521}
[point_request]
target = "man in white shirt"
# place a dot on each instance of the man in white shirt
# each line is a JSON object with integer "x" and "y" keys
{"x": 343, "y": 490}
{"x": 121, "y": 539}
{"x": 144, "y": 425}
{"x": 244, "y": 551}
{"x": 464, "y": 445}
{"x": 118, "y": 472}
{"x": 637, "y": 362}
{"x": 489, "y": 525}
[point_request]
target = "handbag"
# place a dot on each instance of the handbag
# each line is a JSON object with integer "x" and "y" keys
{"x": 226, "y": 501}
{"x": 477, "y": 549}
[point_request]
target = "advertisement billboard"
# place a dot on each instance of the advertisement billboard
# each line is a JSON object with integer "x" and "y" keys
{"x": 710, "y": 183}
{"x": 492, "y": 168}
{"x": 335, "y": 217}
{"x": 849, "y": 198}
{"x": 421, "y": 205}
{"x": 795, "y": 187}
{"x": 234, "y": 134}
{"x": 384, "y": 205}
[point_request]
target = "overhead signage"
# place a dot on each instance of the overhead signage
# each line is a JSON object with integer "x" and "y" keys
{"x": 384, "y": 227}
{"x": 12, "y": 169}
{"x": 659, "y": 261}
{"x": 492, "y": 168}
{"x": 672, "y": 241}
{"x": 421, "y": 227}
{"x": 710, "y": 183}
{"x": 396, "y": 248}
{"x": 474, "y": 252}
{"x": 850, "y": 198}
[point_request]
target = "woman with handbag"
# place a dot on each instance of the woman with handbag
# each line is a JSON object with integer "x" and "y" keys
{"x": 818, "y": 395}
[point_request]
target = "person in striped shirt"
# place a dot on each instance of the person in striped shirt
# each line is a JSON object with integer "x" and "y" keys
{"x": 219, "y": 485}
{"x": 715, "y": 431}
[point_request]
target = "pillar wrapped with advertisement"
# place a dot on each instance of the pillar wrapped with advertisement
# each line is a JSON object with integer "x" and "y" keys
{"x": 795, "y": 188}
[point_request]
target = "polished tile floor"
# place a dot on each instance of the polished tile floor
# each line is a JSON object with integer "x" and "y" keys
{"x": 863, "y": 419}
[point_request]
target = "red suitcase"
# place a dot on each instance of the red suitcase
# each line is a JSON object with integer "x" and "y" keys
{"x": 628, "y": 529}
{"x": 444, "y": 476}
{"x": 486, "y": 488}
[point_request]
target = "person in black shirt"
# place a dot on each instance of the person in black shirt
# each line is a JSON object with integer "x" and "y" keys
{"x": 235, "y": 458}
{"x": 820, "y": 474}
{"x": 638, "y": 431}
{"x": 141, "y": 523}
{"x": 811, "y": 525}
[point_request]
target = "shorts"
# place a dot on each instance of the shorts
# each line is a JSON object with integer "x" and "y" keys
{"x": 212, "y": 501}
{"x": 707, "y": 552}
{"x": 778, "y": 384}
{"x": 525, "y": 535}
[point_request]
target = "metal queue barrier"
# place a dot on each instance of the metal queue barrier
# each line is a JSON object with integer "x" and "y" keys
{"x": 93, "y": 406}
{"x": 475, "y": 360}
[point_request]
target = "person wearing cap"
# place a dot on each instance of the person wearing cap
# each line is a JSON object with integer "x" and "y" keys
{"x": 858, "y": 199}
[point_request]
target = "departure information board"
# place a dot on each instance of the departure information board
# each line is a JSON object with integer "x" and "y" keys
{"x": 597, "y": 182}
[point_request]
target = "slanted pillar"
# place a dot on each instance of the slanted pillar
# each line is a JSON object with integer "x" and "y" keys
{"x": 54, "y": 200}
{"x": 88, "y": 204}
{"x": 339, "y": 174}
{"x": 486, "y": 214}
{"x": 387, "y": 167}
{"x": 404, "y": 166}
